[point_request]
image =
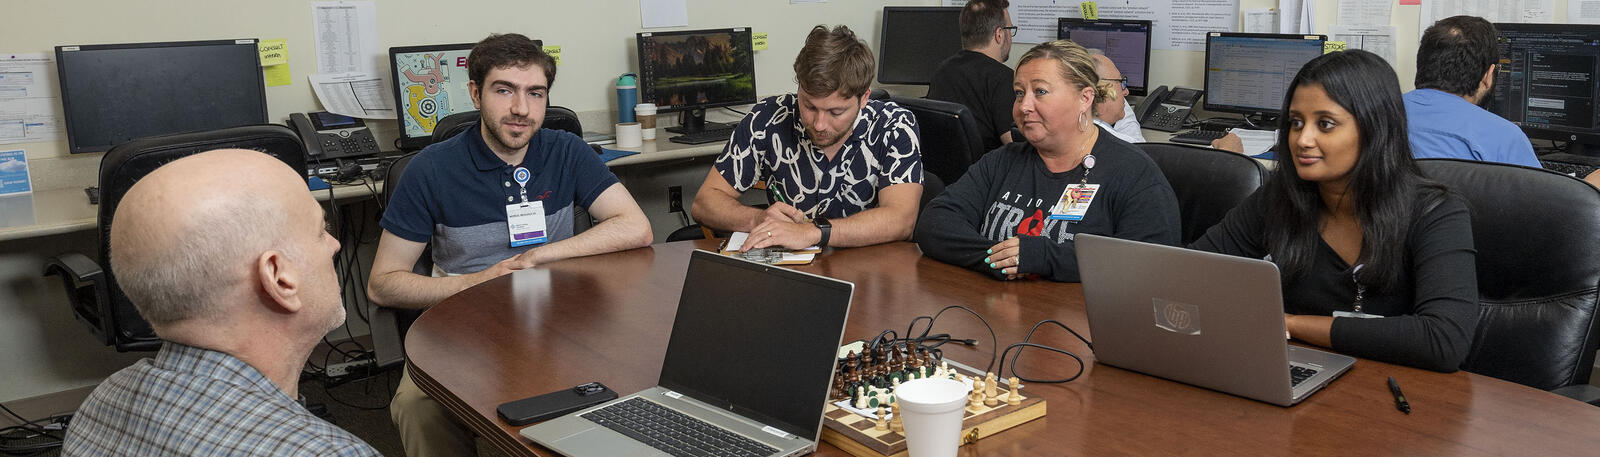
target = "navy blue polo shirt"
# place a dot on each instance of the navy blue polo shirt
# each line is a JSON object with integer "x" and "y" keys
{"x": 454, "y": 194}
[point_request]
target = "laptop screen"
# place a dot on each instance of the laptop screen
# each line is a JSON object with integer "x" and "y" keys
{"x": 758, "y": 340}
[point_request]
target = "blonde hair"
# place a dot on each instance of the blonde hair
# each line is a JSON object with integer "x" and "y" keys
{"x": 1074, "y": 64}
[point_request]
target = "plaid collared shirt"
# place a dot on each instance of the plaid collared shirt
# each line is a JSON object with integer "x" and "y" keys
{"x": 196, "y": 402}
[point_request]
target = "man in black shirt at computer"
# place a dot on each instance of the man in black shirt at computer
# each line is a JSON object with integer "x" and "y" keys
{"x": 977, "y": 76}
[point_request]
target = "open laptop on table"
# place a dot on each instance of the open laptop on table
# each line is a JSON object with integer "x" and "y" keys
{"x": 747, "y": 371}
{"x": 1207, "y": 319}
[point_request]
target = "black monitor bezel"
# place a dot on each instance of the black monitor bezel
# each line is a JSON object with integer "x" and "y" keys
{"x": 1205, "y": 79}
{"x": 1592, "y": 137}
{"x": 639, "y": 44}
{"x": 1061, "y": 25}
{"x": 66, "y": 98}
{"x": 408, "y": 143}
{"x": 883, "y": 39}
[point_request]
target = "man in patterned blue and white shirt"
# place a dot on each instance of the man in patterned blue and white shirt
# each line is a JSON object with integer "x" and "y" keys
{"x": 226, "y": 254}
{"x": 840, "y": 169}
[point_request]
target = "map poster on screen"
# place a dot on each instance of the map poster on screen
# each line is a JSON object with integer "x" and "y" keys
{"x": 433, "y": 85}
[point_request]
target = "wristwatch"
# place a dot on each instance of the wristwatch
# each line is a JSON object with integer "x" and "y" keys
{"x": 823, "y": 224}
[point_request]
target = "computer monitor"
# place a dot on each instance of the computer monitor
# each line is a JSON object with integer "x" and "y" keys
{"x": 1248, "y": 73}
{"x": 916, "y": 39}
{"x": 1546, "y": 80}
{"x": 430, "y": 82}
{"x": 1125, "y": 42}
{"x": 692, "y": 70}
{"x": 112, "y": 93}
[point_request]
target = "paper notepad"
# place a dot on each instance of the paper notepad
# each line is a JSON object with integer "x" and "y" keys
{"x": 1256, "y": 141}
{"x": 774, "y": 256}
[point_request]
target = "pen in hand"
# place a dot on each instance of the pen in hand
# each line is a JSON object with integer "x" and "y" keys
{"x": 1399, "y": 398}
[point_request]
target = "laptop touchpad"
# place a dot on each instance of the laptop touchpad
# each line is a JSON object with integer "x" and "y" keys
{"x": 600, "y": 441}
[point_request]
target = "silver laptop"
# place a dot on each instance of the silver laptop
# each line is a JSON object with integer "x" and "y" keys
{"x": 1201, "y": 318}
{"x": 747, "y": 371}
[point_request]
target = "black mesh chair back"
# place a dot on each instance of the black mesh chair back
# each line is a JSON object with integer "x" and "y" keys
{"x": 1208, "y": 182}
{"x": 948, "y": 134}
{"x": 1538, "y": 239}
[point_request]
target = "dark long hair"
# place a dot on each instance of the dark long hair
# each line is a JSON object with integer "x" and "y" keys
{"x": 1386, "y": 185}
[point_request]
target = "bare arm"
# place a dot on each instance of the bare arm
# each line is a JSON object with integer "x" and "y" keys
{"x": 393, "y": 284}
{"x": 622, "y": 226}
{"x": 892, "y": 220}
{"x": 1311, "y": 329}
{"x": 717, "y": 205}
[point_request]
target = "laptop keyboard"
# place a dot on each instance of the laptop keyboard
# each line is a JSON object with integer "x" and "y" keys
{"x": 1298, "y": 374}
{"x": 673, "y": 432}
{"x": 1576, "y": 170}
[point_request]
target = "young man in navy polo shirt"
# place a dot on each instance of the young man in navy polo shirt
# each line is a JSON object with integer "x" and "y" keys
{"x": 840, "y": 169}
{"x": 493, "y": 200}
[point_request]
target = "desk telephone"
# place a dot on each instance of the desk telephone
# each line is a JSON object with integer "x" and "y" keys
{"x": 1166, "y": 110}
{"x": 329, "y": 136}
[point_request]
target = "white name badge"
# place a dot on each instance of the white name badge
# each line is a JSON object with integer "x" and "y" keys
{"x": 1356, "y": 315}
{"x": 1074, "y": 202}
{"x": 526, "y": 221}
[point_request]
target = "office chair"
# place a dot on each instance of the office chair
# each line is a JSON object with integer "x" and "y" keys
{"x": 932, "y": 186}
{"x": 555, "y": 117}
{"x": 1208, "y": 182}
{"x": 92, "y": 287}
{"x": 948, "y": 134}
{"x": 1538, "y": 239}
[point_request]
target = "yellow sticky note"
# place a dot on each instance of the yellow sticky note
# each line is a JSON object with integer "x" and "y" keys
{"x": 273, "y": 52}
{"x": 554, "y": 52}
{"x": 758, "y": 41}
{"x": 276, "y": 75}
{"x": 1332, "y": 46}
{"x": 1090, "y": 11}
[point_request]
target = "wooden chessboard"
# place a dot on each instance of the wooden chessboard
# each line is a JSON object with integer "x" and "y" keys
{"x": 855, "y": 433}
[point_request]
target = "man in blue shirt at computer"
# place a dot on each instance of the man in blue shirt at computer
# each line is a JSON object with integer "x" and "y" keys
{"x": 840, "y": 169}
{"x": 1455, "y": 72}
{"x": 493, "y": 200}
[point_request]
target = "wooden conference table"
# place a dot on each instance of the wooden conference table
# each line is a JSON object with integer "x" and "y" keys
{"x": 607, "y": 318}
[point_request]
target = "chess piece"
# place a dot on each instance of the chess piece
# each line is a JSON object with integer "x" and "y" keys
{"x": 882, "y": 424}
{"x": 990, "y": 390}
{"x": 896, "y": 424}
{"x": 944, "y": 368}
{"x": 861, "y": 397}
{"x": 975, "y": 398}
{"x": 1014, "y": 397}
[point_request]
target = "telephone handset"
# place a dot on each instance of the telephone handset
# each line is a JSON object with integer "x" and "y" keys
{"x": 1165, "y": 110}
{"x": 329, "y": 136}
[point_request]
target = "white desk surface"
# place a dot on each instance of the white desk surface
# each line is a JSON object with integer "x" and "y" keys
{"x": 659, "y": 150}
{"x": 57, "y": 211}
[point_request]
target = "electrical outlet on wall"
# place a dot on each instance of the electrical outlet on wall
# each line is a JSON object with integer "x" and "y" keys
{"x": 675, "y": 199}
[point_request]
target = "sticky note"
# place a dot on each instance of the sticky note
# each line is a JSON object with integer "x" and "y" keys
{"x": 1090, "y": 11}
{"x": 273, "y": 52}
{"x": 1332, "y": 46}
{"x": 276, "y": 75}
{"x": 758, "y": 41}
{"x": 554, "y": 52}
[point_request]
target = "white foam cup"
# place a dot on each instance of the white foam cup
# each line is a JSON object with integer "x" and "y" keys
{"x": 932, "y": 410}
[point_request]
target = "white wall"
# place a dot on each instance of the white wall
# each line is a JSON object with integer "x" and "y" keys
{"x": 44, "y": 351}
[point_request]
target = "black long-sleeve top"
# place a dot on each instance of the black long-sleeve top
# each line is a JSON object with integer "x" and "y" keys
{"x": 1009, "y": 192}
{"x": 1430, "y": 316}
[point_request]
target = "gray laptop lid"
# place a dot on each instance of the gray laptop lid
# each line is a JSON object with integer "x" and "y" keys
{"x": 1201, "y": 318}
{"x": 758, "y": 340}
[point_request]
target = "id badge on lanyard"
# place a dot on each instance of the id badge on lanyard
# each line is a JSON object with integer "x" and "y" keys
{"x": 1075, "y": 200}
{"x": 525, "y": 220}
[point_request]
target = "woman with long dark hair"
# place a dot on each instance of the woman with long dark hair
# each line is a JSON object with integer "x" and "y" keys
{"x": 1376, "y": 260}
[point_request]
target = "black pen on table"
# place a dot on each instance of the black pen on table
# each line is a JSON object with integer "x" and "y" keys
{"x": 1399, "y": 398}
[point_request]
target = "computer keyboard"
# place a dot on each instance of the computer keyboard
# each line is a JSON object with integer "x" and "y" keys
{"x": 1200, "y": 137}
{"x": 1577, "y": 170}
{"x": 673, "y": 432}
{"x": 1298, "y": 374}
{"x": 704, "y": 136}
